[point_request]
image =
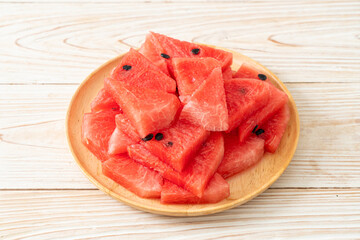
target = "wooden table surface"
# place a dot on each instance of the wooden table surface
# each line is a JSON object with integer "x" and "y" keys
{"x": 47, "y": 48}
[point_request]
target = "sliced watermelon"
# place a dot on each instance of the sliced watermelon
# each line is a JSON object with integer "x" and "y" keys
{"x": 151, "y": 49}
{"x": 275, "y": 128}
{"x": 246, "y": 71}
{"x": 260, "y": 117}
{"x": 191, "y": 72}
{"x": 227, "y": 73}
{"x": 217, "y": 190}
{"x": 243, "y": 98}
{"x": 138, "y": 71}
{"x": 96, "y": 131}
{"x": 196, "y": 175}
{"x": 240, "y": 156}
{"x": 179, "y": 145}
{"x": 138, "y": 179}
{"x": 118, "y": 142}
{"x": 148, "y": 110}
{"x": 174, "y": 48}
{"x": 207, "y": 106}
{"x": 124, "y": 124}
{"x": 103, "y": 101}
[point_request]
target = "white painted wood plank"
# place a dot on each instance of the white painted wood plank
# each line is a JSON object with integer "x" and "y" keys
{"x": 90, "y": 214}
{"x": 34, "y": 152}
{"x": 301, "y": 41}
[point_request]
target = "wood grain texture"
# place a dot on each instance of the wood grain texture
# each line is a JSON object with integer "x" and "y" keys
{"x": 300, "y": 41}
{"x": 33, "y": 143}
{"x": 90, "y": 214}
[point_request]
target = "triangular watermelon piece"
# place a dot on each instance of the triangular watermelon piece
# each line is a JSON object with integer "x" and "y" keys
{"x": 173, "y": 48}
{"x": 124, "y": 124}
{"x": 179, "y": 145}
{"x": 148, "y": 110}
{"x": 118, "y": 142}
{"x": 260, "y": 117}
{"x": 240, "y": 156}
{"x": 151, "y": 49}
{"x": 96, "y": 131}
{"x": 138, "y": 71}
{"x": 275, "y": 129}
{"x": 138, "y": 179}
{"x": 207, "y": 106}
{"x": 243, "y": 98}
{"x": 103, "y": 101}
{"x": 217, "y": 190}
{"x": 247, "y": 71}
{"x": 196, "y": 174}
{"x": 190, "y": 73}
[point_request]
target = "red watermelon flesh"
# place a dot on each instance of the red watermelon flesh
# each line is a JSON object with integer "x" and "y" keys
{"x": 180, "y": 144}
{"x": 138, "y": 179}
{"x": 96, "y": 132}
{"x": 227, "y": 73}
{"x": 190, "y": 73}
{"x": 124, "y": 124}
{"x": 118, "y": 142}
{"x": 240, "y": 156}
{"x": 151, "y": 49}
{"x": 243, "y": 98}
{"x": 207, "y": 106}
{"x": 217, "y": 190}
{"x": 175, "y": 48}
{"x": 196, "y": 175}
{"x": 277, "y": 100}
{"x": 247, "y": 71}
{"x": 148, "y": 110}
{"x": 136, "y": 70}
{"x": 103, "y": 101}
{"x": 275, "y": 128}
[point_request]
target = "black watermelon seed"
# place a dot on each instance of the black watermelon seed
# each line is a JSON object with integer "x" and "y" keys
{"x": 259, "y": 131}
{"x": 159, "y": 136}
{"x": 253, "y": 131}
{"x": 127, "y": 67}
{"x": 169, "y": 144}
{"x": 165, "y": 55}
{"x": 148, "y": 137}
{"x": 262, "y": 77}
{"x": 115, "y": 108}
{"x": 195, "y": 51}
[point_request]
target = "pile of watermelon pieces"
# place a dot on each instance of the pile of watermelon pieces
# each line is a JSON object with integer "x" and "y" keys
{"x": 173, "y": 121}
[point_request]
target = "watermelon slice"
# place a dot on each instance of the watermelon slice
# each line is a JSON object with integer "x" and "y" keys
{"x": 151, "y": 49}
{"x": 96, "y": 131}
{"x": 103, "y": 101}
{"x": 260, "y": 117}
{"x": 118, "y": 142}
{"x": 275, "y": 128}
{"x": 240, "y": 156}
{"x": 124, "y": 124}
{"x": 246, "y": 71}
{"x": 196, "y": 175}
{"x": 207, "y": 106}
{"x": 243, "y": 98}
{"x": 168, "y": 48}
{"x": 227, "y": 73}
{"x": 217, "y": 190}
{"x": 138, "y": 71}
{"x": 191, "y": 72}
{"x": 180, "y": 144}
{"x": 138, "y": 179}
{"x": 148, "y": 110}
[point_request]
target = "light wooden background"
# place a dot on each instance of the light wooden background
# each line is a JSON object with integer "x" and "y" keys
{"x": 48, "y": 48}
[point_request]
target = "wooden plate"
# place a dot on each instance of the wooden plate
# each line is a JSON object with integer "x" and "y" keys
{"x": 243, "y": 186}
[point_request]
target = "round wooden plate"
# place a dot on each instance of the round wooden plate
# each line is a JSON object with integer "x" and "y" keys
{"x": 243, "y": 186}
